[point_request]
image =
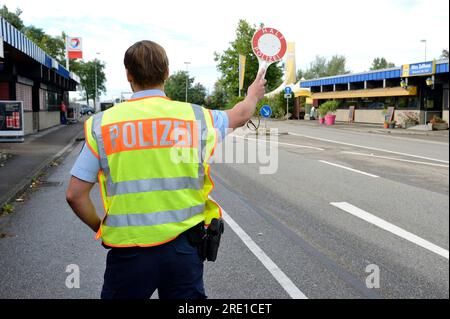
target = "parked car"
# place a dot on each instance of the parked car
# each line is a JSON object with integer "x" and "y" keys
{"x": 86, "y": 110}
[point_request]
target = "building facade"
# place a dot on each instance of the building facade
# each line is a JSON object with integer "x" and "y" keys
{"x": 30, "y": 75}
{"x": 419, "y": 88}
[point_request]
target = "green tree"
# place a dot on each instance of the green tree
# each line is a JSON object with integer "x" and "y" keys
{"x": 300, "y": 74}
{"x": 320, "y": 67}
{"x": 55, "y": 46}
{"x": 218, "y": 98}
{"x": 13, "y": 17}
{"x": 35, "y": 34}
{"x": 336, "y": 66}
{"x": 175, "y": 88}
{"x": 197, "y": 94}
{"x": 381, "y": 63}
{"x": 52, "y": 45}
{"x": 228, "y": 63}
{"x": 86, "y": 71}
{"x": 317, "y": 68}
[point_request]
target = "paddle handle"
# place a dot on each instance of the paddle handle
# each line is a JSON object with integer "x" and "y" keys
{"x": 264, "y": 65}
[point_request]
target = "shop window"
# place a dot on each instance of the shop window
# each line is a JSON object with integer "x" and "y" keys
{"x": 4, "y": 91}
{"x": 346, "y": 103}
{"x": 389, "y": 101}
{"x": 372, "y": 103}
{"x": 24, "y": 94}
{"x": 52, "y": 101}
{"x": 42, "y": 100}
{"x": 407, "y": 102}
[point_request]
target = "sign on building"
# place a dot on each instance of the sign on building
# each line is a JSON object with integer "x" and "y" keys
{"x": 419, "y": 69}
{"x": 11, "y": 120}
{"x": 74, "y": 48}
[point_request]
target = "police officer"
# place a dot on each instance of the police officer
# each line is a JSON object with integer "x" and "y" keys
{"x": 151, "y": 198}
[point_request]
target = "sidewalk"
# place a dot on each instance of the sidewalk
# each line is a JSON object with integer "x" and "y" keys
{"x": 20, "y": 162}
{"x": 438, "y": 136}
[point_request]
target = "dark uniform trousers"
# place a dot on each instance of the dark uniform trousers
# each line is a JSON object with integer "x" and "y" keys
{"x": 174, "y": 268}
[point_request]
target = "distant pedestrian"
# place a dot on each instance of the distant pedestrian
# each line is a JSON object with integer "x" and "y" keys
{"x": 312, "y": 113}
{"x": 63, "y": 113}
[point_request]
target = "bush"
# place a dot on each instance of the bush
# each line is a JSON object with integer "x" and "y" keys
{"x": 322, "y": 110}
{"x": 328, "y": 107}
{"x": 233, "y": 101}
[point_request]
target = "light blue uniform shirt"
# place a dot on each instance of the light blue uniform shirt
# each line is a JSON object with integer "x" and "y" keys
{"x": 87, "y": 165}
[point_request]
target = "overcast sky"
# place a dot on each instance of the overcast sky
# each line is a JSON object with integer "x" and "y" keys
{"x": 193, "y": 30}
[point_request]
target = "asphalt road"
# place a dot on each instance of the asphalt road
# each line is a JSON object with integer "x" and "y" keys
{"x": 286, "y": 235}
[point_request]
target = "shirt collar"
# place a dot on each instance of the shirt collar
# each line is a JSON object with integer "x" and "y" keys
{"x": 147, "y": 93}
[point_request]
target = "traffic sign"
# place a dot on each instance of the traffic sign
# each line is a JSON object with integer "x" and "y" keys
{"x": 288, "y": 90}
{"x": 287, "y": 96}
{"x": 269, "y": 46}
{"x": 266, "y": 111}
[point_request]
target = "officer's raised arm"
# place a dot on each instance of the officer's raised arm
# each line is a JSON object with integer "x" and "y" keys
{"x": 242, "y": 112}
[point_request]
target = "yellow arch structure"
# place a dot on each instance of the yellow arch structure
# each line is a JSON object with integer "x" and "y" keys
{"x": 290, "y": 76}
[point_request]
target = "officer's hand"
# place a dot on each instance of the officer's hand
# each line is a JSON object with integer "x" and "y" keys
{"x": 258, "y": 89}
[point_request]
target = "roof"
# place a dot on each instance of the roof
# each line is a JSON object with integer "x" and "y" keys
{"x": 392, "y": 73}
{"x": 19, "y": 41}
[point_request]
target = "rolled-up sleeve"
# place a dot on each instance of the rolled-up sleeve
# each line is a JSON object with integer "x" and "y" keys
{"x": 86, "y": 166}
{"x": 221, "y": 122}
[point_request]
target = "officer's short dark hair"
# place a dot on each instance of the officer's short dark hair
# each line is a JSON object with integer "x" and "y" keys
{"x": 147, "y": 62}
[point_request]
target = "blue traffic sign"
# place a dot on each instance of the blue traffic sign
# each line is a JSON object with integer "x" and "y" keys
{"x": 287, "y": 90}
{"x": 266, "y": 111}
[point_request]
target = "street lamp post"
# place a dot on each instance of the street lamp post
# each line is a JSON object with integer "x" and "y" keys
{"x": 187, "y": 79}
{"x": 424, "y": 41}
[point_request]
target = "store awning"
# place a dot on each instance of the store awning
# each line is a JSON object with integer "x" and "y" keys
{"x": 302, "y": 92}
{"x": 397, "y": 91}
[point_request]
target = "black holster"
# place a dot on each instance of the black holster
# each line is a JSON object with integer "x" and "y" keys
{"x": 206, "y": 240}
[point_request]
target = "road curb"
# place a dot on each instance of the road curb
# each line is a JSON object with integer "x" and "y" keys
{"x": 26, "y": 181}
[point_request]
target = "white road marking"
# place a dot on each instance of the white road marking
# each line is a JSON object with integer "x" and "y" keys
{"x": 369, "y": 148}
{"x": 350, "y": 169}
{"x": 276, "y": 272}
{"x": 355, "y": 211}
{"x": 396, "y": 159}
{"x": 280, "y": 143}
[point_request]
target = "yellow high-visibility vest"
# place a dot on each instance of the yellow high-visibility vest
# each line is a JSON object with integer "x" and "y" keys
{"x": 155, "y": 177}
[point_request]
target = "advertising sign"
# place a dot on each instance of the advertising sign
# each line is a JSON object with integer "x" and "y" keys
{"x": 419, "y": 69}
{"x": 74, "y": 48}
{"x": 11, "y": 119}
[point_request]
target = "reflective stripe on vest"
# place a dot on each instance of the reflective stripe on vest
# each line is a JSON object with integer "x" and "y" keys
{"x": 154, "y": 184}
{"x": 159, "y": 218}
